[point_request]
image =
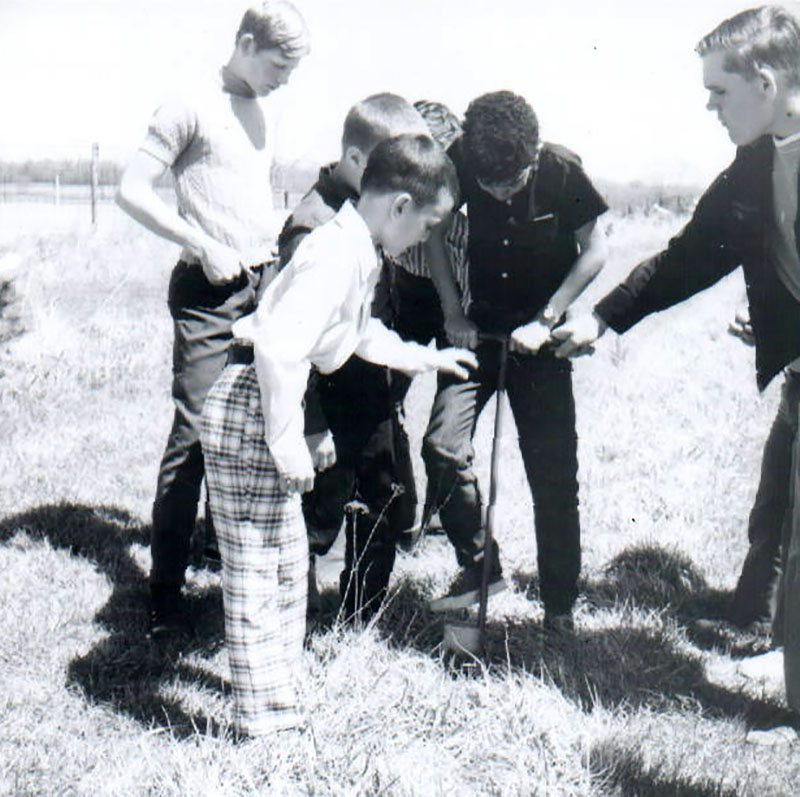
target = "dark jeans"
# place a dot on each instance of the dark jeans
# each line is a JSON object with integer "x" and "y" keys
{"x": 786, "y": 625}
{"x": 751, "y": 599}
{"x": 540, "y": 393}
{"x": 202, "y": 315}
{"x": 373, "y": 466}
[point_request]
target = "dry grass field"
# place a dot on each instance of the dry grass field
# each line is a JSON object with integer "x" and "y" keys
{"x": 671, "y": 428}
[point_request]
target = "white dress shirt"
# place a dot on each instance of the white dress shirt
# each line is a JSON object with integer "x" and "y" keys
{"x": 317, "y": 312}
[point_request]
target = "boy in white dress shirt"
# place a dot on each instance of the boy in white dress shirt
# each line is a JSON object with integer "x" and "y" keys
{"x": 316, "y": 313}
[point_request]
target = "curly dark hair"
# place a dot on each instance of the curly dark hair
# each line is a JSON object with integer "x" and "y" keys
{"x": 501, "y": 136}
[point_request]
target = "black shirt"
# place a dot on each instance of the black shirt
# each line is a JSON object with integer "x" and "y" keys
{"x": 521, "y": 249}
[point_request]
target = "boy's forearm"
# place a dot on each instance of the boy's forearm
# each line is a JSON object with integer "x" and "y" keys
{"x": 586, "y": 267}
{"x": 142, "y": 203}
{"x": 442, "y": 275}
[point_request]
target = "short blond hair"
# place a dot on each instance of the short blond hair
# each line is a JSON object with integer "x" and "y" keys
{"x": 276, "y": 24}
{"x": 764, "y": 36}
{"x": 379, "y": 117}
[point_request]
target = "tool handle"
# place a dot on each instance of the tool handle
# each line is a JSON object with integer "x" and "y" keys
{"x": 488, "y": 547}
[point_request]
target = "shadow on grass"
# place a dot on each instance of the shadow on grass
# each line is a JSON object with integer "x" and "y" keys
{"x": 649, "y": 666}
{"x": 125, "y": 670}
{"x": 622, "y": 770}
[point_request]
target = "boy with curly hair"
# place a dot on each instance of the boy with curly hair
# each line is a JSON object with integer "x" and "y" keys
{"x": 533, "y": 245}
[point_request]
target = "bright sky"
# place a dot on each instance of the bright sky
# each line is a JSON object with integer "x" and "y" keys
{"x": 617, "y": 81}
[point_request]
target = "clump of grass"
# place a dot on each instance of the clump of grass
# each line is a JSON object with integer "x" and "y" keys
{"x": 653, "y": 576}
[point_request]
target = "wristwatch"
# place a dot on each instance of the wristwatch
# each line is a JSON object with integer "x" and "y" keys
{"x": 549, "y": 316}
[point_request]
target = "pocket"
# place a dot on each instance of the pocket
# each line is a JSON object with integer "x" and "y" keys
{"x": 189, "y": 287}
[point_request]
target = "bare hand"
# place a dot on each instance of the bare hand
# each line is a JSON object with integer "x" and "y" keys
{"x": 741, "y": 327}
{"x": 290, "y": 484}
{"x": 455, "y": 361}
{"x": 322, "y": 449}
{"x": 529, "y": 338}
{"x": 577, "y": 335}
{"x": 221, "y": 263}
{"x": 296, "y": 473}
{"x": 461, "y": 331}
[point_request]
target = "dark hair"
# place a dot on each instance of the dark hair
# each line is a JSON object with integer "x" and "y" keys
{"x": 765, "y": 36}
{"x": 501, "y": 136}
{"x": 377, "y": 118}
{"x": 415, "y": 164}
{"x": 276, "y": 23}
{"x": 442, "y": 122}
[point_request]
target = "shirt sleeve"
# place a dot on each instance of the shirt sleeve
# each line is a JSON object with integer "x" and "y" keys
{"x": 385, "y": 347}
{"x": 286, "y": 331}
{"x": 582, "y": 202}
{"x": 456, "y": 154}
{"x": 703, "y": 252}
{"x": 170, "y": 131}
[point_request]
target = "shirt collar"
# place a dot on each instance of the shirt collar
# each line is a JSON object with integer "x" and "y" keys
{"x": 352, "y": 221}
{"x": 334, "y": 191}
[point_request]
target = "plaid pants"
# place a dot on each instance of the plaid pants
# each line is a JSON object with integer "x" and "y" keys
{"x": 264, "y": 547}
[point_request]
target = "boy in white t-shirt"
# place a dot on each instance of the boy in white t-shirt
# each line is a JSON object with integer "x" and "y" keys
{"x": 218, "y": 145}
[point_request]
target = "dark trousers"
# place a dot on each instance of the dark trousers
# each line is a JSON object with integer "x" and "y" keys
{"x": 419, "y": 312}
{"x": 540, "y": 393}
{"x": 786, "y": 624}
{"x": 751, "y": 599}
{"x": 202, "y": 315}
{"x": 373, "y": 468}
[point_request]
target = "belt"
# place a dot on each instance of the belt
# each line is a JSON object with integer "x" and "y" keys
{"x": 240, "y": 353}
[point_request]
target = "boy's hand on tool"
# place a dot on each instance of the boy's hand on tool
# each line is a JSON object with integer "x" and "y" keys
{"x": 454, "y": 361}
{"x": 529, "y": 338}
{"x": 322, "y": 449}
{"x": 575, "y": 337}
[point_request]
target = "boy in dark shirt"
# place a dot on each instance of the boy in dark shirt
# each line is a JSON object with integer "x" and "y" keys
{"x": 533, "y": 247}
{"x": 747, "y": 217}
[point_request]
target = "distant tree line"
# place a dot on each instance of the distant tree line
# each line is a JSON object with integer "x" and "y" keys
{"x": 295, "y": 176}
{"x": 69, "y": 172}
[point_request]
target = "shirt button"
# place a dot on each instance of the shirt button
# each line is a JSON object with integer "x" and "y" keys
{"x": 508, "y": 202}
{"x": 504, "y": 275}
{"x": 506, "y": 242}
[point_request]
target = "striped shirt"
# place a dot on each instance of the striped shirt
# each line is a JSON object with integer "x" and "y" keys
{"x": 413, "y": 259}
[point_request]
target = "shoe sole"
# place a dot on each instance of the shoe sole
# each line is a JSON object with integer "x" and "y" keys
{"x": 465, "y": 599}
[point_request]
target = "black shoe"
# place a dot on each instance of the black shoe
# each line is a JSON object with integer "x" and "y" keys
{"x": 559, "y": 624}
{"x": 466, "y": 589}
{"x": 168, "y": 619}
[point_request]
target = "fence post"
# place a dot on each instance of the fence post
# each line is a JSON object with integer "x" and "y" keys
{"x": 95, "y": 159}
{"x": 57, "y": 189}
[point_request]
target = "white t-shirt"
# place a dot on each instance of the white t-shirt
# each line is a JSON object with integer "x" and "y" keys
{"x": 219, "y": 146}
